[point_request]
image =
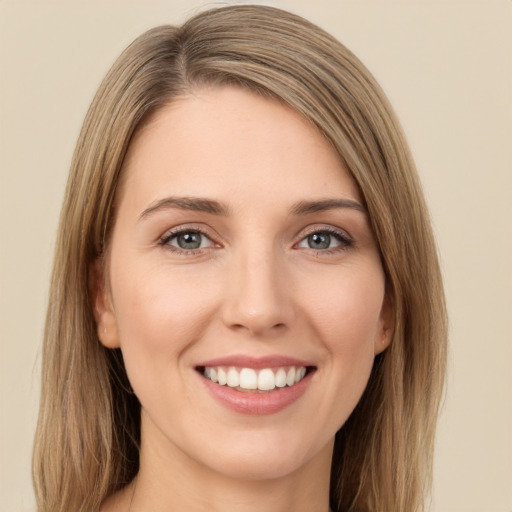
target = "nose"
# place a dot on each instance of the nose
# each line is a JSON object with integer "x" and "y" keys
{"x": 259, "y": 297}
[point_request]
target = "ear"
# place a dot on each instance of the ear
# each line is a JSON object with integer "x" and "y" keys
{"x": 386, "y": 325}
{"x": 103, "y": 310}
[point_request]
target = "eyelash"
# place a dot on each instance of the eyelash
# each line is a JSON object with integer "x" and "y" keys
{"x": 345, "y": 241}
{"x": 165, "y": 241}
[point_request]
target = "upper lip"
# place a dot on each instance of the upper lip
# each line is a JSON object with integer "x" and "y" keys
{"x": 258, "y": 363}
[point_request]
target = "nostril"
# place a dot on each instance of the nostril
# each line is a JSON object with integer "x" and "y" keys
{"x": 259, "y": 328}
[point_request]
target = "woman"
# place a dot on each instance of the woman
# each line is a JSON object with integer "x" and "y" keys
{"x": 246, "y": 306}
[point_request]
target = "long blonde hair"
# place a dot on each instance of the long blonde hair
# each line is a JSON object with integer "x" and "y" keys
{"x": 88, "y": 431}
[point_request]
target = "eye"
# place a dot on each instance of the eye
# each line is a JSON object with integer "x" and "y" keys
{"x": 187, "y": 240}
{"x": 322, "y": 240}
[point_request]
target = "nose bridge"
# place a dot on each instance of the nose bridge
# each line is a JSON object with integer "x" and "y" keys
{"x": 258, "y": 300}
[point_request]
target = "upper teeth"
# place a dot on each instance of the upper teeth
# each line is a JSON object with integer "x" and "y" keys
{"x": 248, "y": 378}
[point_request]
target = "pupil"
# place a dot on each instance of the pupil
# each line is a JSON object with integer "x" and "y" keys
{"x": 189, "y": 240}
{"x": 319, "y": 241}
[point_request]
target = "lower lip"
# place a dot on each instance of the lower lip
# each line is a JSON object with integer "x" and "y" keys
{"x": 245, "y": 402}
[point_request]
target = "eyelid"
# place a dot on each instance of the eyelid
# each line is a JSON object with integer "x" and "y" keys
{"x": 329, "y": 228}
{"x": 342, "y": 235}
{"x": 345, "y": 239}
{"x": 164, "y": 239}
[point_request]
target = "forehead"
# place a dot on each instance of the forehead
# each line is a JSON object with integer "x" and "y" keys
{"x": 228, "y": 142}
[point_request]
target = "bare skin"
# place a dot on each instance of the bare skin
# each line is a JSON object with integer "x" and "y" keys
{"x": 239, "y": 232}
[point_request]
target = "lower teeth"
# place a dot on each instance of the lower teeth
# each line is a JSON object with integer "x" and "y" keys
{"x": 244, "y": 390}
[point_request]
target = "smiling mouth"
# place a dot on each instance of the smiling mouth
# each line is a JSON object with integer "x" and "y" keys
{"x": 250, "y": 380}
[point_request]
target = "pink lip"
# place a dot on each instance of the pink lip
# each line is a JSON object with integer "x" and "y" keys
{"x": 256, "y": 403}
{"x": 241, "y": 361}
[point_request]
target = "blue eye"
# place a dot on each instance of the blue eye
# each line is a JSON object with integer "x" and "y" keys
{"x": 324, "y": 240}
{"x": 188, "y": 240}
{"x": 319, "y": 241}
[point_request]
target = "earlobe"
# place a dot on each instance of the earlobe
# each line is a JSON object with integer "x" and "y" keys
{"x": 384, "y": 340}
{"x": 387, "y": 325}
{"x": 106, "y": 323}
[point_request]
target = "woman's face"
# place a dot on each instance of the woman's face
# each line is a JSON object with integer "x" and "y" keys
{"x": 241, "y": 252}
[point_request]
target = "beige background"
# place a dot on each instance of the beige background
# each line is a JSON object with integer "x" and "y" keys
{"x": 447, "y": 67}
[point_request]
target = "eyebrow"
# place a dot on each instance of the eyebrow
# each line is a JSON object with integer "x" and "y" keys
{"x": 216, "y": 208}
{"x": 186, "y": 203}
{"x": 307, "y": 207}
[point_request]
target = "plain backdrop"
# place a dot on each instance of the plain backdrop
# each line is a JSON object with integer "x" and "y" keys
{"x": 447, "y": 68}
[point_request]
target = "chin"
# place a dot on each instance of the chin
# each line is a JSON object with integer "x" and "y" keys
{"x": 263, "y": 457}
{"x": 258, "y": 468}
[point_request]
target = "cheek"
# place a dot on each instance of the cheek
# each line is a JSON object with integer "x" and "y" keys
{"x": 153, "y": 300}
{"x": 159, "y": 314}
{"x": 158, "y": 318}
{"x": 348, "y": 311}
{"x": 347, "y": 320}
